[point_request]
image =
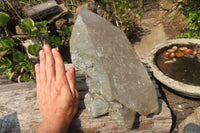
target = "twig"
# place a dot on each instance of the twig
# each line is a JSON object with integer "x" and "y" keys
{"x": 12, "y": 74}
{"x": 24, "y": 3}
{"x": 71, "y": 2}
{"x": 71, "y": 5}
{"x": 116, "y": 16}
{"x": 33, "y": 75}
{"x": 14, "y": 10}
{"x": 18, "y": 79}
{"x": 19, "y": 36}
{"x": 5, "y": 29}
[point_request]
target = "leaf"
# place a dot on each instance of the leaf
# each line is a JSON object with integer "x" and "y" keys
{"x": 34, "y": 49}
{"x": 8, "y": 72}
{"x": 54, "y": 41}
{"x": 18, "y": 57}
{"x": 28, "y": 66}
{"x": 28, "y": 26}
{"x": 2, "y": 69}
{"x": 4, "y": 18}
{"x": 25, "y": 78}
{"x": 43, "y": 27}
{"x": 8, "y": 63}
{"x": 6, "y": 43}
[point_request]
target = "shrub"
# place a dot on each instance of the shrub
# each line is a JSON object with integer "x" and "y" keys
{"x": 14, "y": 60}
{"x": 122, "y": 14}
{"x": 192, "y": 13}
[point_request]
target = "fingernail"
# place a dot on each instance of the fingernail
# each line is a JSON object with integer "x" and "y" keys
{"x": 71, "y": 70}
{"x": 53, "y": 50}
{"x": 41, "y": 53}
{"x": 37, "y": 66}
{"x": 46, "y": 46}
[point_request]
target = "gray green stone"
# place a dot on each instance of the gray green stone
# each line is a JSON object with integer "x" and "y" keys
{"x": 104, "y": 54}
{"x": 124, "y": 117}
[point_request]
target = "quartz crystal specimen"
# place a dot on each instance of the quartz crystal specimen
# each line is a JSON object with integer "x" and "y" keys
{"x": 118, "y": 83}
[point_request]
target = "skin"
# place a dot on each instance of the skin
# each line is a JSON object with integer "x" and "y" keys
{"x": 56, "y": 92}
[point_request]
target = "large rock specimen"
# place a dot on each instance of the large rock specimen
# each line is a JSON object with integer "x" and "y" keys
{"x": 118, "y": 83}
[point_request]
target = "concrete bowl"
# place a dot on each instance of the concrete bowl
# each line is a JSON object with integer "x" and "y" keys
{"x": 179, "y": 87}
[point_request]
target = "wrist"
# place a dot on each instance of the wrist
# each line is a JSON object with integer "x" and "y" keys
{"x": 51, "y": 127}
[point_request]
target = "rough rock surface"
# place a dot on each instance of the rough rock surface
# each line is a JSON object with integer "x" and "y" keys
{"x": 43, "y": 10}
{"x": 114, "y": 73}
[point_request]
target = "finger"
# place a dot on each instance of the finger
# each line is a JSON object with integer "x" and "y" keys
{"x": 50, "y": 65}
{"x": 76, "y": 97}
{"x": 76, "y": 101}
{"x": 42, "y": 66}
{"x": 37, "y": 72}
{"x": 60, "y": 69}
{"x": 71, "y": 78}
{"x": 38, "y": 81}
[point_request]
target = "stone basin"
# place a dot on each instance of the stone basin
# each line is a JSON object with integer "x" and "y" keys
{"x": 172, "y": 75}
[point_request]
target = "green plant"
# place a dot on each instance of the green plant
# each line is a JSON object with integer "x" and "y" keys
{"x": 65, "y": 34}
{"x": 4, "y": 18}
{"x": 14, "y": 63}
{"x": 192, "y": 13}
{"x": 35, "y": 30}
{"x": 34, "y": 49}
{"x": 28, "y": 26}
{"x": 171, "y": 1}
{"x": 121, "y": 13}
{"x": 14, "y": 60}
{"x": 41, "y": 32}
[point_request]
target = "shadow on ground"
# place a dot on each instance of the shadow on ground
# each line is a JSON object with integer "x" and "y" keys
{"x": 10, "y": 124}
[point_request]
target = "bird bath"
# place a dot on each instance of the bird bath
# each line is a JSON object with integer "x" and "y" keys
{"x": 176, "y": 67}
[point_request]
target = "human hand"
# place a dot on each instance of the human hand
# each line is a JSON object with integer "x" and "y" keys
{"x": 56, "y": 92}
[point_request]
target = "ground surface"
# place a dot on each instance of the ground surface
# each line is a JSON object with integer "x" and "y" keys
{"x": 152, "y": 32}
{"x": 156, "y": 31}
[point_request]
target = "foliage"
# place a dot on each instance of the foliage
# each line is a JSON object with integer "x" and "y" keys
{"x": 41, "y": 32}
{"x": 66, "y": 32}
{"x": 28, "y": 26}
{"x": 35, "y": 30}
{"x": 171, "y": 1}
{"x": 6, "y": 44}
{"x": 4, "y": 18}
{"x": 34, "y": 49}
{"x": 121, "y": 13}
{"x": 15, "y": 63}
{"x": 192, "y": 13}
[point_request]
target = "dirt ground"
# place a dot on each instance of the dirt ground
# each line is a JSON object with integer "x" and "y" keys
{"x": 157, "y": 29}
{"x": 152, "y": 31}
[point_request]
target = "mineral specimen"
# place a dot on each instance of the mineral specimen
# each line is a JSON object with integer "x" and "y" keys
{"x": 118, "y": 82}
